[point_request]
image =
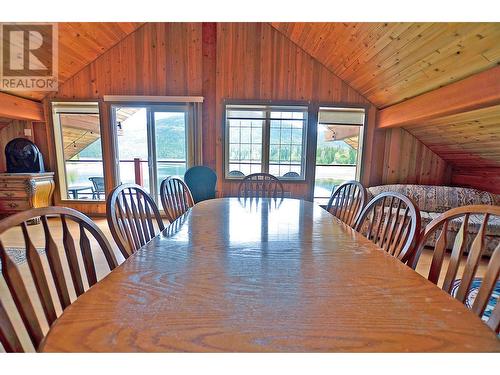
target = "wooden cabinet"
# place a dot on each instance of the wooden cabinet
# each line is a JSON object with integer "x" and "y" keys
{"x": 22, "y": 191}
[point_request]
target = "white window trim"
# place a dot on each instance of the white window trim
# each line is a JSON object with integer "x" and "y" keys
{"x": 265, "y": 136}
{"x": 153, "y": 99}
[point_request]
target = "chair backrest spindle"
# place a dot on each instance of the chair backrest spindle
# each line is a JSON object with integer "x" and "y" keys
{"x": 460, "y": 286}
{"x": 15, "y": 280}
{"x": 176, "y": 197}
{"x": 260, "y": 185}
{"x": 130, "y": 211}
{"x": 347, "y": 202}
{"x": 392, "y": 221}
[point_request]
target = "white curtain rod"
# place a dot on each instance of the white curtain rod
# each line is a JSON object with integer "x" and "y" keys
{"x": 153, "y": 99}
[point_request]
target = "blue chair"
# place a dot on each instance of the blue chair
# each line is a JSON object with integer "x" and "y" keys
{"x": 201, "y": 181}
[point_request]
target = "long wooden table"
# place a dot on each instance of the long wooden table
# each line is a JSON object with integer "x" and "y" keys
{"x": 264, "y": 276}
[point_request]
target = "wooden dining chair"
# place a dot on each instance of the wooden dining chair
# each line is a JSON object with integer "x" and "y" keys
{"x": 347, "y": 202}
{"x": 133, "y": 217}
{"x": 176, "y": 197}
{"x": 472, "y": 243}
{"x": 8, "y": 335}
{"x": 260, "y": 185}
{"x": 391, "y": 221}
{"x": 44, "y": 281}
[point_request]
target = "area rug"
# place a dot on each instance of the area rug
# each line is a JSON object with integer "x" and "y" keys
{"x": 18, "y": 254}
{"x": 473, "y": 291}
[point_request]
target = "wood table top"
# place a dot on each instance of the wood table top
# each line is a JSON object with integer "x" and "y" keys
{"x": 265, "y": 277}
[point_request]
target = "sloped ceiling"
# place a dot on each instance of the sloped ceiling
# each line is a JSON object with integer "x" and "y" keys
{"x": 80, "y": 43}
{"x": 466, "y": 140}
{"x": 391, "y": 62}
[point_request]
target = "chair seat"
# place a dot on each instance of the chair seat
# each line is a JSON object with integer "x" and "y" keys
{"x": 472, "y": 293}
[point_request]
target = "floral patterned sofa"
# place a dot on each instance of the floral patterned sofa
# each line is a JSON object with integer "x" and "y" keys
{"x": 433, "y": 200}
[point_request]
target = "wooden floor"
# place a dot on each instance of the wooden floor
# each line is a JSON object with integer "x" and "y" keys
{"x": 14, "y": 238}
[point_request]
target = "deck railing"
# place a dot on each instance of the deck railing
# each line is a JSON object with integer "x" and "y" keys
{"x": 139, "y": 166}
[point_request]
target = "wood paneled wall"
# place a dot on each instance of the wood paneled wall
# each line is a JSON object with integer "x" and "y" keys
{"x": 159, "y": 59}
{"x": 243, "y": 61}
{"x": 255, "y": 61}
{"x": 156, "y": 59}
{"x": 14, "y": 129}
{"x": 409, "y": 161}
{"x": 219, "y": 61}
{"x": 487, "y": 179}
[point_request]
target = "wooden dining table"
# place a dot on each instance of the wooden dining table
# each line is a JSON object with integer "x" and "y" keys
{"x": 265, "y": 276}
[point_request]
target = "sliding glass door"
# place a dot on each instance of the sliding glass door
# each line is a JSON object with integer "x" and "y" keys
{"x": 150, "y": 143}
{"x": 170, "y": 138}
{"x": 338, "y": 149}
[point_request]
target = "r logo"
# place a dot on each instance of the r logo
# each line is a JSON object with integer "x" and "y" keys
{"x": 27, "y": 50}
{"x": 29, "y": 56}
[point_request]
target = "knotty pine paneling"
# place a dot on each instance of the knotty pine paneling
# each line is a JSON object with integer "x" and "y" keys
{"x": 255, "y": 61}
{"x": 409, "y": 161}
{"x": 209, "y": 69}
{"x": 236, "y": 61}
{"x": 156, "y": 59}
{"x": 466, "y": 140}
{"x": 487, "y": 179}
{"x": 159, "y": 59}
{"x": 40, "y": 139}
{"x": 389, "y": 62}
{"x": 80, "y": 43}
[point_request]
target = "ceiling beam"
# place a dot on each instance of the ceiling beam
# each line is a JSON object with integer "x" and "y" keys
{"x": 20, "y": 109}
{"x": 478, "y": 91}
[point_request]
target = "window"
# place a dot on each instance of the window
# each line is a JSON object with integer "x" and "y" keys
{"x": 265, "y": 138}
{"x": 79, "y": 151}
{"x": 338, "y": 149}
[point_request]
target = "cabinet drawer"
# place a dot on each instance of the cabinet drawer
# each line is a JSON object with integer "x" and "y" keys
{"x": 14, "y": 205}
{"x": 9, "y": 194}
{"x": 12, "y": 185}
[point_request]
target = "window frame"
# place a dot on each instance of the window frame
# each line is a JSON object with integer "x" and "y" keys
{"x": 265, "y": 160}
{"x": 360, "y": 161}
{"x": 76, "y": 106}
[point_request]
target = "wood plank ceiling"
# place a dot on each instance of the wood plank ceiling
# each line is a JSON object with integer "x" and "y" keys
{"x": 392, "y": 62}
{"x": 466, "y": 140}
{"x": 78, "y": 132}
{"x": 81, "y": 43}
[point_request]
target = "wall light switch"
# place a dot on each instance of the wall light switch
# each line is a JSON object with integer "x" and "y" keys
{"x": 27, "y": 132}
